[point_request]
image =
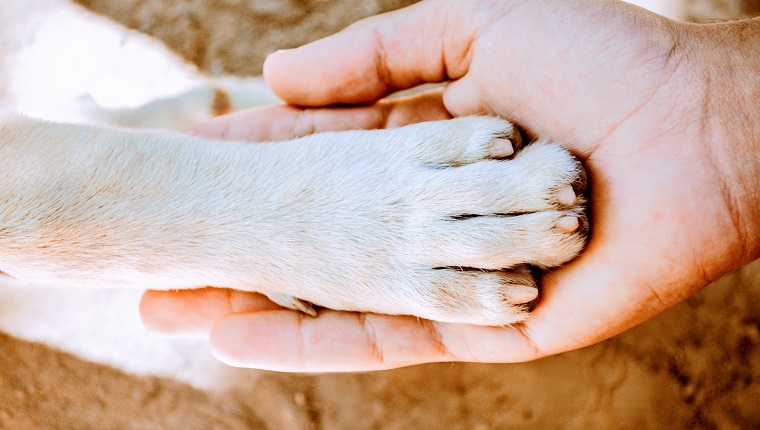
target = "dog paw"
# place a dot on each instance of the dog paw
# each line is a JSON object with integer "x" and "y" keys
{"x": 291, "y": 302}
{"x": 450, "y": 221}
{"x": 494, "y": 213}
{"x": 446, "y": 220}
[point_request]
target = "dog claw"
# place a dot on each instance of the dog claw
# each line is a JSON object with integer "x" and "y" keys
{"x": 520, "y": 294}
{"x": 291, "y": 302}
{"x": 568, "y": 224}
{"x": 566, "y": 195}
{"x": 501, "y": 148}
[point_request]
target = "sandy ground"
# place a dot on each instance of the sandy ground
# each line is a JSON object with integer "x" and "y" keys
{"x": 696, "y": 366}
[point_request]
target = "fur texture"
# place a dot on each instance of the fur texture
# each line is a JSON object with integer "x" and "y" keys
{"x": 422, "y": 220}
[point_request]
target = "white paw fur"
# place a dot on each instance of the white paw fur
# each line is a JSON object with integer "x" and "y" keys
{"x": 422, "y": 220}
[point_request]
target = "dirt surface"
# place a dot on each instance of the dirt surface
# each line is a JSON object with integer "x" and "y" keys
{"x": 696, "y": 366}
{"x": 711, "y": 10}
{"x": 234, "y": 36}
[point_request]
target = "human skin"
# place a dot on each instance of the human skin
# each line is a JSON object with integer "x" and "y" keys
{"x": 663, "y": 114}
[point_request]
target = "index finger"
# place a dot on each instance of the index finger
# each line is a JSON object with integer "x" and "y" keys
{"x": 191, "y": 313}
{"x": 284, "y": 122}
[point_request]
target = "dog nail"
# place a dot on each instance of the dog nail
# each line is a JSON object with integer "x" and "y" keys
{"x": 568, "y": 224}
{"x": 501, "y": 148}
{"x": 566, "y": 195}
{"x": 520, "y": 294}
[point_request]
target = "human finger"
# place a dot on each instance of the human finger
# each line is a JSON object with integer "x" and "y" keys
{"x": 423, "y": 43}
{"x": 284, "y": 122}
{"x": 191, "y": 313}
{"x": 345, "y": 341}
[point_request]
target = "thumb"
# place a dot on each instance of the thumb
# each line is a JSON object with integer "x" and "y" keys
{"x": 424, "y": 43}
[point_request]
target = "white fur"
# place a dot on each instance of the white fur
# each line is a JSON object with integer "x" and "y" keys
{"x": 60, "y": 62}
{"x": 182, "y": 110}
{"x": 358, "y": 220}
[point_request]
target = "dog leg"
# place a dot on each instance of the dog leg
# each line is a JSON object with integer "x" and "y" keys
{"x": 441, "y": 220}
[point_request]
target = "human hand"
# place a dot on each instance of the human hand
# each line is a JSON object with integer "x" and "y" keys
{"x": 625, "y": 90}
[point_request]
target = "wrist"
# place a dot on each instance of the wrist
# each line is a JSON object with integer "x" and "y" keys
{"x": 724, "y": 65}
